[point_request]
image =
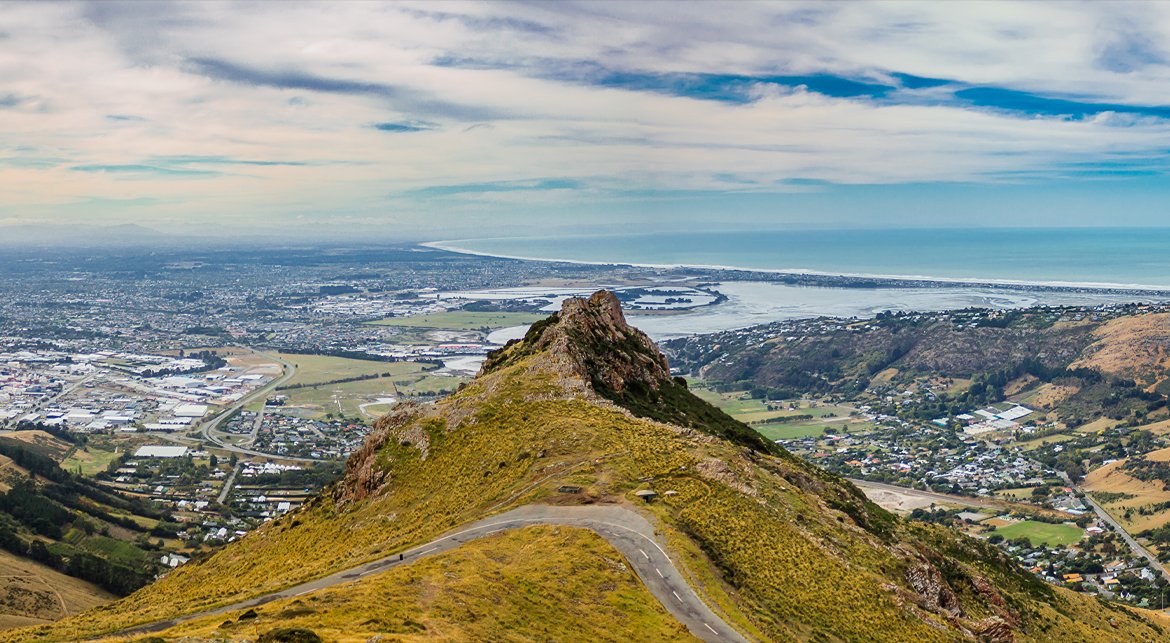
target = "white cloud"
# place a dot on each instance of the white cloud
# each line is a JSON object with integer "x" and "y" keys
{"x": 117, "y": 86}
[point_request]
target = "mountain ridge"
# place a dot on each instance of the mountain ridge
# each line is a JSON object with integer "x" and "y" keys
{"x": 779, "y": 548}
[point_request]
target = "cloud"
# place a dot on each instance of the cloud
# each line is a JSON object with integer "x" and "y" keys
{"x": 488, "y": 23}
{"x": 287, "y": 110}
{"x": 502, "y": 186}
{"x": 407, "y": 99}
{"x": 397, "y": 128}
{"x": 136, "y": 169}
{"x": 1034, "y": 104}
{"x": 221, "y": 160}
{"x": 223, "y": 70}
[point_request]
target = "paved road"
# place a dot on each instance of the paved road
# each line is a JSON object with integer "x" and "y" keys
{"x": 207, "y": 430}
{"x": 227, "y": 484}
{"x": 625, "y": 529}
{"x": 1104, "y": 516}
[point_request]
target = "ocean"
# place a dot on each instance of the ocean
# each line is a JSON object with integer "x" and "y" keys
{"x": 1113, "y": 257}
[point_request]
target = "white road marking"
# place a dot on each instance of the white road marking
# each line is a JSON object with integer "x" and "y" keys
{"x": 710, "y": 628}
{"x": 304, "y": 592}
{"x": 659, "y": 572}
{"x": 427, "y": 551}
{"x": 677, "y": 596}
{"x": 645, "y": 554}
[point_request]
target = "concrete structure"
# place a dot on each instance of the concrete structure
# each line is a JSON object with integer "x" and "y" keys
{"x": 159, "y": 451}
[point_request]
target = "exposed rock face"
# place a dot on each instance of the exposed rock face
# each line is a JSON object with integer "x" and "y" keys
{"x": 995, "y": 630}
{"x": 363, "y": 475}
{"x": 936, "y": 594}
{"x": 590, "y": 344}
{"x": 591, "y": 338}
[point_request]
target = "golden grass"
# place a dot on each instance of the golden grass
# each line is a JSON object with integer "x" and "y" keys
{"x": 1112, "y": 479}
{"x": 1049, "y": 395}
{"x": 1097, "y": 426}
{"x": 540, "y": 583}
{"x": 1131, "y": 346}
{"x": 32, "y": 593}
{"x": 42, "y": 443}
{"x": 1161, "y": 427}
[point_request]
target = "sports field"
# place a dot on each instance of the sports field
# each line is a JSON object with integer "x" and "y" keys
{"x": 318, "y": 369}
{"x": 1041, "y": 532}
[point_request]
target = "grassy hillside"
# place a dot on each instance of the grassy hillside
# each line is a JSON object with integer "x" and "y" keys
{"x": 831, "y": 356}
{"x": 783, "y": 549}
{"x": 70, "y": 523}
{"x": 1064, "y": 362}
{"x": 1131, "y": 347}
{"x": 556, "y": 583}
{"x": 32, "y": 593}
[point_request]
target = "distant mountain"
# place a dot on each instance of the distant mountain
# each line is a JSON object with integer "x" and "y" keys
{"x": 81, "y": 235}
{"x": 217, "y": 235}
{"x": 583, "y": 413}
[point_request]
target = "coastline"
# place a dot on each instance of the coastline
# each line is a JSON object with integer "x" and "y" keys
{"x": 840, "y": 280}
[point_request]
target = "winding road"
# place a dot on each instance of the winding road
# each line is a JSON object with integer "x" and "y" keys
{"x": 207, "y": 429}
{"x": 625, "y": 529}
{"x": 1134, "y": 545}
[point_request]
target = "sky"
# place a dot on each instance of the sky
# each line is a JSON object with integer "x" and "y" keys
{"x": 435, "y": 120}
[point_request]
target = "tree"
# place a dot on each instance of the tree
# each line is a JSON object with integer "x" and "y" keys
{"x": 213, "y": 461}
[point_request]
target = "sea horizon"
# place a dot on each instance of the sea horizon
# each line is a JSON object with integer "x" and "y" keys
{"x": 1122, "y": 258}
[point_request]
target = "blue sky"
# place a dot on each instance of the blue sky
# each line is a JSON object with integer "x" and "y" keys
{"x": 445, "y": 120}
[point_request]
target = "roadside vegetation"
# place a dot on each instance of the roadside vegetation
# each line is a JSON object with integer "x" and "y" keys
{"x": 556, "y": 583}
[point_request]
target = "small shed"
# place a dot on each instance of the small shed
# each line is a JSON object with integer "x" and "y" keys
{"x": 646, "y": 494}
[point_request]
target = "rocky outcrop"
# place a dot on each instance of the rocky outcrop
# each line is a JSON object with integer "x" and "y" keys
{"x": 932, "y": 588}
{"x": 591, "y": 339}
{"x": 364, "y": 475}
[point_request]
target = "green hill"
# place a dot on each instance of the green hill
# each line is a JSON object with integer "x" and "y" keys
{"x": 780, "y": 549}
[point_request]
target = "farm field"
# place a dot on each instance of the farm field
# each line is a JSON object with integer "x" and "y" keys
{"x": 462, "y": 320}
{"x": 348, "y": 398}
{"x": 1161, "y": 427}
{"x": 89, "y": 461}
{"x": 1041, "y": 532}
{"x": 771, "y": 423}
{"x": 1019, "y": 493}
{"x": 1097, "y": 426}
{"x": 1036, "y": 443}
{"x": 795, "y": 430}
{"x": 743, "y": 407}
{"x": 318, "y": 369}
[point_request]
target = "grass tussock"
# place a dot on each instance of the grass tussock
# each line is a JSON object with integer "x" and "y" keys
{"x": 539, "y": 583}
